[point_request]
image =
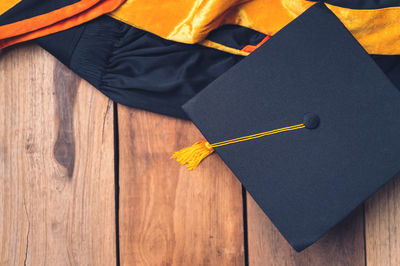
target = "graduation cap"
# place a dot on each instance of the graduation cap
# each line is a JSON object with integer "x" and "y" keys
{"x": 308, "y": 123}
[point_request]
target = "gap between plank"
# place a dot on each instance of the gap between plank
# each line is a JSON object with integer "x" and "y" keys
{"x": 116, "y": 181}
{"x": 365, "y": 236}
{"x": 245, "y": 228}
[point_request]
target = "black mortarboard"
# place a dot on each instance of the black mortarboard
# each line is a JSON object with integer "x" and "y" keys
{"x": 327, "y": 119}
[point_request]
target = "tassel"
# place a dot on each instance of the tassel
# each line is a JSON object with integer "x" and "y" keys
{"x": 194, "y": 154}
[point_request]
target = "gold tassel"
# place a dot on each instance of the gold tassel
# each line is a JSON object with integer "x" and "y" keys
{"x": 194, "y": 154}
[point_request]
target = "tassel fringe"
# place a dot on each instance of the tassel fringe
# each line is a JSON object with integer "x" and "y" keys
{"x": 193, "y": 155}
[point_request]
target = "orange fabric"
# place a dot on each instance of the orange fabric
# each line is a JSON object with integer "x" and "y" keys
{"x": 97, "y": 10}
{"x": 190, "y": 21}
{"x": 38, "y": 22}
{"x": 187, "y": 21}
{"x": 250, "y": 48}
{"x": 7, "y": 5}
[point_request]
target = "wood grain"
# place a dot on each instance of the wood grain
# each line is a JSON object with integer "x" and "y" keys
{"x": 382, "y": 226}
{"x": 169, "y": 215}
{"x": 344, "y": 245}
{"x": 56, "y": 165}
{"x": 57, "y": 187}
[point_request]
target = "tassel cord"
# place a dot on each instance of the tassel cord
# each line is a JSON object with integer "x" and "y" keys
{"x": 193, "y": 155}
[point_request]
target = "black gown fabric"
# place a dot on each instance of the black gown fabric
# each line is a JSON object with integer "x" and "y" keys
{"x": 141, "y": 70}
{"x": 137, "y": 68}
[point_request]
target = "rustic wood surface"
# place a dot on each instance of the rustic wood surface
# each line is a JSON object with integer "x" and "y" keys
{"x": 65, "y": 149}
{"x": 382, "y": 225}
{"x": 169, "y": 215}
{"x": 56, "y": 165}
{"x": 343, "y": 245}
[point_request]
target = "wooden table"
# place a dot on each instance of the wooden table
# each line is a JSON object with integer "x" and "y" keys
{"x": 85, "y": 181}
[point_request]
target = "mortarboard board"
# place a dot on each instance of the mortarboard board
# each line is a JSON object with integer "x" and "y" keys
{"x": 308, "y": 123}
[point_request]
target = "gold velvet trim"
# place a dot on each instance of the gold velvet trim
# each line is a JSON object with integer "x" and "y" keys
{"x": 189, "y": 21}
{"x": 6, "y": 5}
{"x": 378, "y": 30}
{"x": 223, "y": 48}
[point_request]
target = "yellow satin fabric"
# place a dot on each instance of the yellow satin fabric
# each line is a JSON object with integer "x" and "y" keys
{"x": 189, "y": 21}
{"x": 5, "y": 5}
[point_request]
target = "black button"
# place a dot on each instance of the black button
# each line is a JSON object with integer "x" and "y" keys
{"x": 311, "y": 120}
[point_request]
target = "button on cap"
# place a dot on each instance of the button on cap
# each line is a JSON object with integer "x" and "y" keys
{"x": 311, "y": 120}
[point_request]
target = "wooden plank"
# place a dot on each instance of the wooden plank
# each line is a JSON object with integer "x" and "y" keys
{"x": 344, "y": 245}
{"x": 56, "y": 165}
{"x": 169, "y": 215}
{"x": 382, "y": 226}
